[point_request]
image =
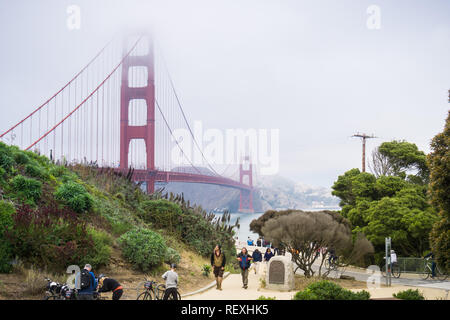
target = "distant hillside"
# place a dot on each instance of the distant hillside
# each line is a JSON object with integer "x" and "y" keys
{"x": 272, "y": 192}
{"x": 281, "y": 193}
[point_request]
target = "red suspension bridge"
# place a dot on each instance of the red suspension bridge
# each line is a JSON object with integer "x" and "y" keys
{"x": 120, "y": 111}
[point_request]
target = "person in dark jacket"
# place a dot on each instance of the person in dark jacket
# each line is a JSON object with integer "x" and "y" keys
{"x": 268, "y": 255}
{"x": 218, "y": 261}
{"x": 106, "y": 284}
{"x": 244, "y": 262}
{"x": 433, "y": 264}
{"x": 88, "y": 292}
{"x": 257, "y": 259}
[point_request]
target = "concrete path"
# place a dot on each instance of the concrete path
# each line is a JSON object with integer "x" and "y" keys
{"x": 363, "y": 274}
{"x": 232, "y": 290}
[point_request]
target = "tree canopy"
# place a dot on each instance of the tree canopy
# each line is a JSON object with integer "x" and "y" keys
{"x": 399, "y": 158}
{"x": 439, "y": 163}
{"x": 392, "y": 204}
{"x": 304, "y": 233}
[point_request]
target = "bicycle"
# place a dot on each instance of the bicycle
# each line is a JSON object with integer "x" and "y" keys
{"x": 154, "y": 291}
{"x": 162, "y": 291}
{"x": 428, "y": 271}
{"x": 395, "y": 271}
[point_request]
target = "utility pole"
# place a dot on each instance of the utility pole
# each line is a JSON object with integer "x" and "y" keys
{"x": 363, "y": 136}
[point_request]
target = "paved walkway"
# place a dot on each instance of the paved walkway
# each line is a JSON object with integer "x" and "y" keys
{"x": 362, "y": 275}
{"x": 232, "y": 286}
{"x": 232, "y": 290}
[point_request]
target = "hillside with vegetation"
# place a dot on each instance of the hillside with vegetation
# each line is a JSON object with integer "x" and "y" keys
{"x": 56, "y": 215}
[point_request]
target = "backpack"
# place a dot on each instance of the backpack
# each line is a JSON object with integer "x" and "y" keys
{"x": 85, "y": 279}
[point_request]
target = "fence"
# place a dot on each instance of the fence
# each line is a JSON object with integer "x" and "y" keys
{"x": 411, "y": 265}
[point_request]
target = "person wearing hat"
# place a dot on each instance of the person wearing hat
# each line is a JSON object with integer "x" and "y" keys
{"x": 218, "y": 261}
{"x": 393, "y": 258}
{"x": 171, "y": 278}
{"x": 106, "y": 284}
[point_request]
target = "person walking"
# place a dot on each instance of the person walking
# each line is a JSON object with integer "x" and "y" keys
{"x": 86, "y": 283}
{"x": 244, "y": 263}
{"x": 218, "y": 261}
{"x": 258, "y": 242}
{"x": 106, "y": 284}
{"x": 268, "y": 255}
{"x": 171, "y": 278}
{"x": 257, "y": 259}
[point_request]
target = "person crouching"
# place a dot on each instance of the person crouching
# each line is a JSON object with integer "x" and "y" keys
{"x": 106, "y": 284}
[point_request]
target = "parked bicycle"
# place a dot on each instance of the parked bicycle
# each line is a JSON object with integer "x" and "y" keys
{"x": 428, "y": 271}
{"x": 154, "y": 291}
{"x": 395, "y": 271}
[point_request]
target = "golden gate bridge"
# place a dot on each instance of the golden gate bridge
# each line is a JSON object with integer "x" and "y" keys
{"x": 120, "y": 111}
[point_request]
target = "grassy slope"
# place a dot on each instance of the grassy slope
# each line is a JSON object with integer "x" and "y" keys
{"x": 113, "y": 212}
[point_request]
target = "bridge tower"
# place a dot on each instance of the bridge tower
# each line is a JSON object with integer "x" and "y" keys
{"x": 128, "y": 93}
{"x": 246, "y": 196}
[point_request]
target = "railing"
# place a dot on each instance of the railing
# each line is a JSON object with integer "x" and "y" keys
{"x": 413, "y": 265}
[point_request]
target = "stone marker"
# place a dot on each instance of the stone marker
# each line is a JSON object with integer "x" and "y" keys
{"x": 280, "y": 274}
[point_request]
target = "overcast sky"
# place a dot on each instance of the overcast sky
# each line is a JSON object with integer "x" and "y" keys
{"x": 312, "y": 69}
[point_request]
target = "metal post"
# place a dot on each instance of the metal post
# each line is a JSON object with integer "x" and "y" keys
{"x": 388, "y": 261}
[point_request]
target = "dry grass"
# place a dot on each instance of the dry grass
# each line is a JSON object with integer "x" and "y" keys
{"x": 29, "y": 283}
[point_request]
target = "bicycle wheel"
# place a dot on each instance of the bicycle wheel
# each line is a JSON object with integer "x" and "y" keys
{"x": 425, "y": 273}
{"x": 383, "y": 270}
{"x": 170, "y": 297}
{"x": 160, "y": 290}
{"x": 146, "y": 295}
{"x": 54, "y": 297}
{"x": 440, "y": 275}
{"x": 396, "y": 271}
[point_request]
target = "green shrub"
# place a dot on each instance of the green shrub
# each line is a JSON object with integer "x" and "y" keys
{"x": 26, "y": 189}
{"x": 206, "y": 270}
{"x": 20, "y": 157}
{"x": 409, "y": 295}
{"x": 33, "y": 170}
{"x": 144, "y": 248}
{"x": 172, "y": 256}
{"x": 51, "y": 237}
{"x": 58, "y": 171}
{"x": 327, "y": 290}
{"x": 161, "y": 213}
{"x": 6, "y": 223}
{"x": 266, "y": 298}
{"x": 75, "y": 196}
{"x": 6, "y": 162}
{"x": 101, "y": 252}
